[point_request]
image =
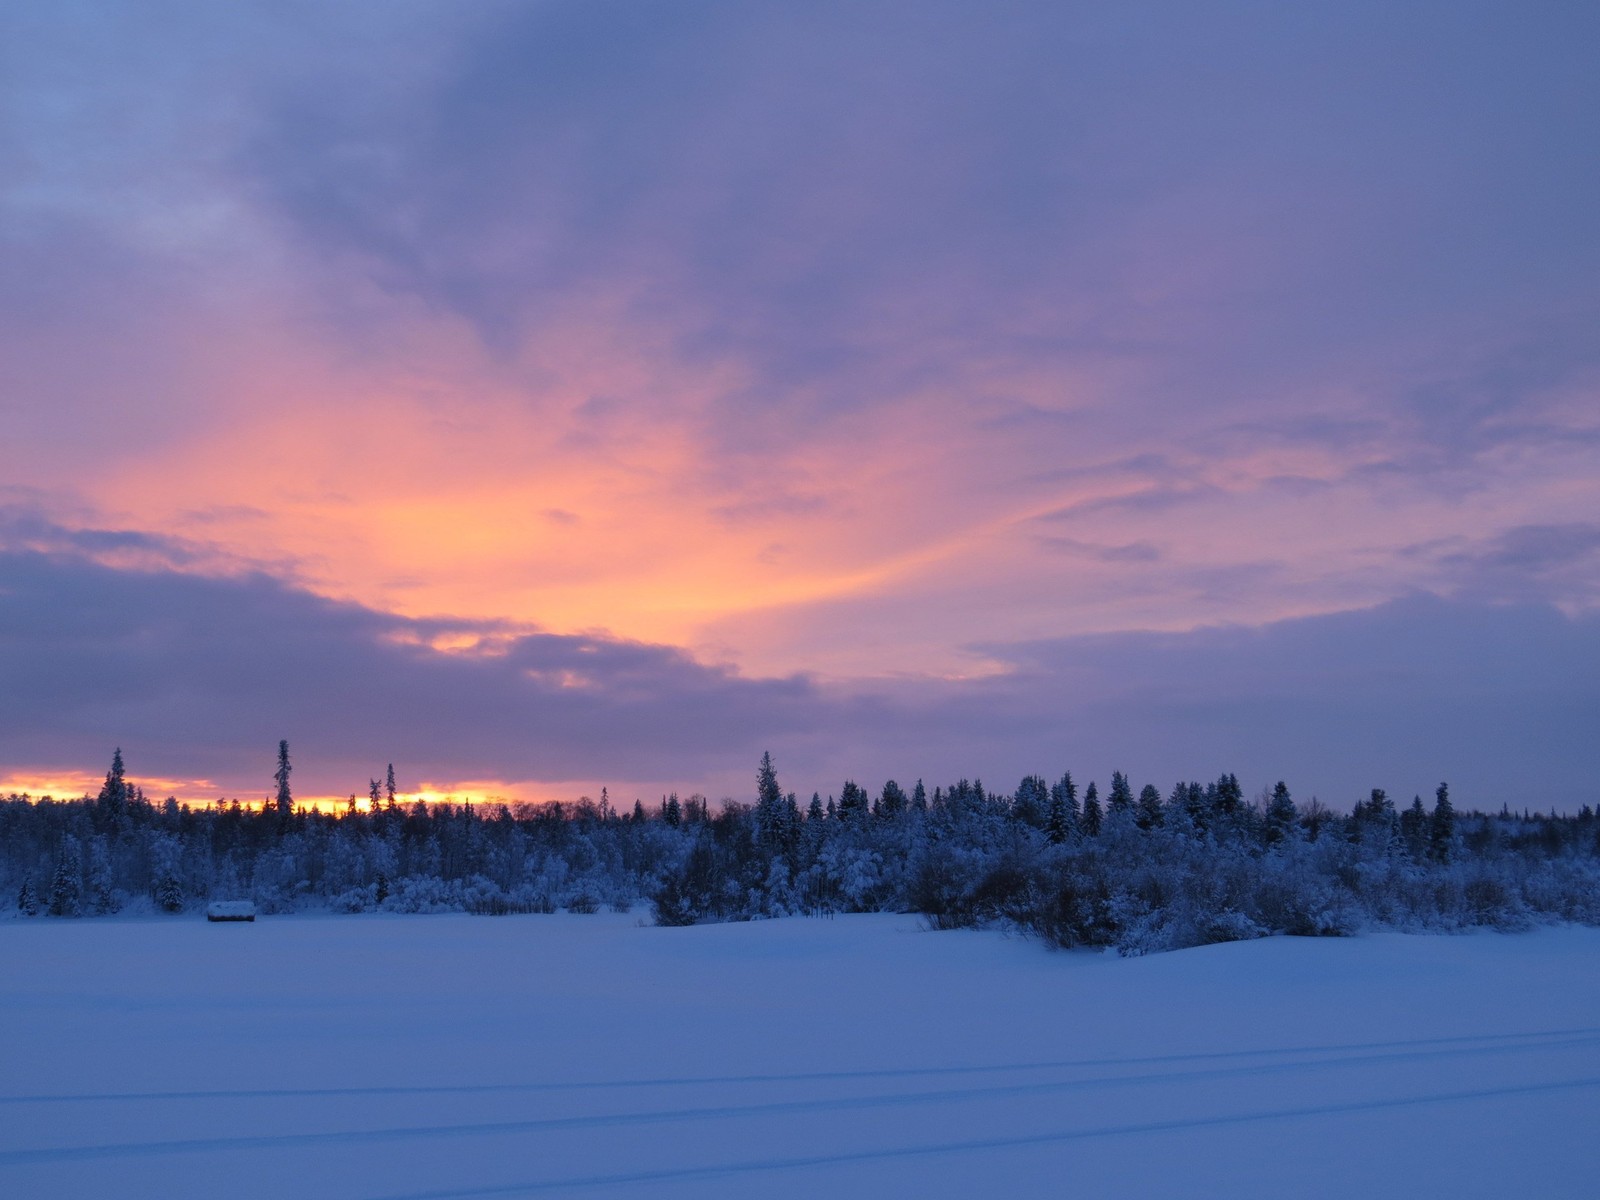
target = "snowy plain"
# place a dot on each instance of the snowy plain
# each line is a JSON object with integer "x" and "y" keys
{"x": 459, "y": 1056}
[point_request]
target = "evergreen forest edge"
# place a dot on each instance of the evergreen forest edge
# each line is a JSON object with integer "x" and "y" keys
{"x": 1138, "y": 872}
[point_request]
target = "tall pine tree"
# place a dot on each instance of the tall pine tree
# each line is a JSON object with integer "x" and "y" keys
{"x": 1442, "y": 830}
{"x": 284, "y": 800}
{"x": 1091, "y": 811}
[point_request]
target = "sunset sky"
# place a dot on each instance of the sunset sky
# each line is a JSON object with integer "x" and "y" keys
{"x": 549, "y": 396}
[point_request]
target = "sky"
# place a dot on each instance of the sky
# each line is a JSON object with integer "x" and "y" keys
{"x": 545, "y": 397}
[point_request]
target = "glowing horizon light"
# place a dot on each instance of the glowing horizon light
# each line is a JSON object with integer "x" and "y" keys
{"x": 71, "y": 784}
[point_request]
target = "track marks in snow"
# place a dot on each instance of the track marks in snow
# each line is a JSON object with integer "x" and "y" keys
{"x": 1275, "y": 1062}
{"x": 1484, "y": 1041}
{"x": 980, "y": 1145}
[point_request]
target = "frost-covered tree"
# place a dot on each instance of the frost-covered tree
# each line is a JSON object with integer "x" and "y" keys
{"x": 892, "y": 801}
{"x": 1119, "y": 801}
{"x": 1063, "y": 821}
{"x": 852, "y": 801}
{"x": 1199, "y": 868}
{"x": 66, "y": 887}
{"x": 771, "y": 825}
{"x": 1030, "y": 803}
{"x": 1281, "y": 817}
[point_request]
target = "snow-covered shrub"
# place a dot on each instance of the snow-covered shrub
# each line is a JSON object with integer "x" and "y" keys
{"x": 423, "y": 894}
{"x": 355, "y": 900}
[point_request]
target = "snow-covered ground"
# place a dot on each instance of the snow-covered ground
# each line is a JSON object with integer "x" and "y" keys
{"x": 458, "y": 1056}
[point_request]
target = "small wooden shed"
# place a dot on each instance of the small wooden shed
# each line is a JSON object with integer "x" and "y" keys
{"x": 231, "y": 910}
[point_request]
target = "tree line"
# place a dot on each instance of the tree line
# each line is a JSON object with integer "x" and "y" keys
{"x": 1138, "y": 871}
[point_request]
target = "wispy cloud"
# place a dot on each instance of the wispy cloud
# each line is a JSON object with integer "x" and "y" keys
{"x": 840, "y": 338}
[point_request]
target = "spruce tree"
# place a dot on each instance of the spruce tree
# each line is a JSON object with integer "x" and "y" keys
{"x": 1149, "y": 814}
{"x": 169, "y": 893}
{"x": 283, "y": 799}
{"x": 852, "y": 801}
{"x": 1091, "y": 811}
{"x": 919, "y": 798}
{"x": 1442, "y": 831}
{"x": 1063, "y": 821}
{"x": 388, "y": 786}
{"x": 66, "y": 888}
{"x": 893, "y": 801}
{"x": 1414, "y": 829}
{"x": 1281, "y": 814}
{"x": 28, "y": 898}
{"x": 1030, "y": 803}
{"x": 113, "y": 798}
{"x": 1228, "y": 797}
{"x": 769, "y": 805}
{"x": 1120, "y": 802}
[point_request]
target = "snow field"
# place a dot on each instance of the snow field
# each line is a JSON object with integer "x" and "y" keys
{"x": 457, "y": 1056}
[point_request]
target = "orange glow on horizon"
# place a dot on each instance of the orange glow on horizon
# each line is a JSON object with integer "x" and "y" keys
{"x": 67, "y": 784}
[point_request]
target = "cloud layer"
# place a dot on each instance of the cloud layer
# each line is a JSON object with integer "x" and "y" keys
{"x": 857, "y": 345}
{"x": 197, "y": 677}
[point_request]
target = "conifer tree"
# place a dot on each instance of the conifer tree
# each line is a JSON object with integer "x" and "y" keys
{"x": 1149, "y": 815}
{"x": 814, "y": 809}
{"x": 1414, "y": 829}
{"x": 1281, "y": 814}
{"x": 919, "y": 798}
{"x": 113, "y": 798}
{"x": 283, "y": 799}
{"x": 852, "y": 801}
{"x": 66, "y": 888}
{"x": 893, "y": 802}
{"x": 1228, "y": 797}
{"x": 169, "y": 893}
{"x": 1030, "y": 804}
{"x": 769, "y": 804}
{"x": 1442, "y": 831}
{"x": 1091, "y": 811}
{"x": 1062, "y": 823}
{"x": 388, "y": 786}
{"x": 27, "y": 898}
{"x": 1120, "y": 801}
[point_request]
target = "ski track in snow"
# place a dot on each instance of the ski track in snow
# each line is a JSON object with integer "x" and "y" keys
{"x": 1476, "y": 1043}
{"x": 979, "y": 1145}
{"x": 1498, "y": 1033}
{"x": 413, "y": 1133}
